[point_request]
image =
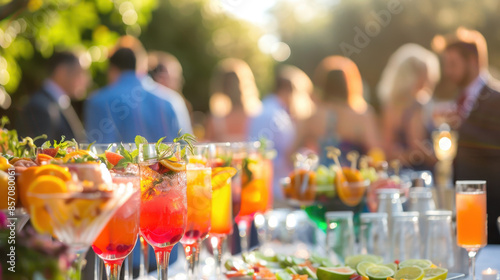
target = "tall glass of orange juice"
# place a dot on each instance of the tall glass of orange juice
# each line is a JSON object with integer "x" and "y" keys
{"x": 471, "y": 219}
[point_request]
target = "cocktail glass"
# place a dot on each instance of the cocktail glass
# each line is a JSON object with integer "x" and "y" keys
{"x": 163, "y": 199}
{"x": 199, "y": 203}
{"x": 79, "y": 215}
{"x": 222, "y": 216}
{"x": 471, "y": 219}
{"x": 255, "y": 189}
{"x": 117, "y": 240}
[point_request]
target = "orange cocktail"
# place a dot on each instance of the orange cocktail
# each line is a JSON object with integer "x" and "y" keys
{"x": 471, "y": 219}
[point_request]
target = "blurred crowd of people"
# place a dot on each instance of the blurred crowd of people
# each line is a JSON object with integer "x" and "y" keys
{"x": 144, "y": 96}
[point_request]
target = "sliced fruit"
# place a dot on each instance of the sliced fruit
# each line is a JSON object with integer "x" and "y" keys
{"x": 409, "y": 273}
{"x": 220, "y": 175}
{"x": 350, "y": 186}
{"x": 392, "y": 266}
{"x": 334, "y": 273}
{"x": 173, "y": 165}
{"x": 4, "y": 189}
{"x": 353, "y": 261}
{"x": 76, "y": 154}
{"x": 435, "y": 273}
{"x": 422, "y": 263}
{"x": 379, "y": 272}
{"x": 42, "y": 159}
{"x": 24, "y": 181}
{"x": 4, "y": 164}
{"x": 362, "y": 266}
{"x": 45, "y": 184}
{"x": 113, "y": 158}
{"x": 49, "y": 151}
{"x": 54, "y": 170}
{"x": 40, "y": 219}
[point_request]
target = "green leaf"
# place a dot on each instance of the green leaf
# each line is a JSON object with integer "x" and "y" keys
{"x": 46, "y": 145}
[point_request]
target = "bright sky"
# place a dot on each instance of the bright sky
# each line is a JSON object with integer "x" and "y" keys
{"x": 255, "y": 11}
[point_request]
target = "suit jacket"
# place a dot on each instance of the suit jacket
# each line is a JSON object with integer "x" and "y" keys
{"x": 43, "y": 115}
{"x": 478, "y": 154}
{"x": 124, "y": 109}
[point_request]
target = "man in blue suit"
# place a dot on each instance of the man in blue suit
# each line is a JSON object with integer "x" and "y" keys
{"x": 125, "y": 108}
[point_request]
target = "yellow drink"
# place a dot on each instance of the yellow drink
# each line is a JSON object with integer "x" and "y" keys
{"x": 471, "y": 219}
{"x": 222, "y": 215}
{"x": 199, "y": 202}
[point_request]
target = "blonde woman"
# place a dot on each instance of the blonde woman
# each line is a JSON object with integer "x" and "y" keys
{"x": 343, "y": 118}
{"x": 234, "y": 100}
{"x": 405, "y": 90}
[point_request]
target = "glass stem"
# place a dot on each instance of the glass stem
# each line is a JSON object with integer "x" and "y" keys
{"x": 113, "y": 269}
{"x": 191, "y": 250}
{"x": 97, "y": 268}
{"x": 162, "y": 257}
{"x": 129, "y": 266}
{"x": 244, "y": 231}
{"x": 472, "y": 264}
{"x": 197, "y": 259}
{"x": 217, "y": 242}
{"x": 144, "y": 260}
{"x": 75, "y": 273}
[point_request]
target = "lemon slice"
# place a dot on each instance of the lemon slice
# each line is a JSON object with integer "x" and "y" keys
{"x": 409, "y": 273}
{"x": 435, "y": 273}
{"x": 392, "y": 266}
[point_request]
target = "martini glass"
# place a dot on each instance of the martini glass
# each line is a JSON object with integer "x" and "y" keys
{"x": 199, "y": 202}
{"x": 79, "y": 215}
{"x": 163, "y": 199}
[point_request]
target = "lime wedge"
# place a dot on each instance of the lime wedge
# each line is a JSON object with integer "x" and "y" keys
{"x": 379, "y": 272}
{"x": 416, "y": 262}
{"x": 435, "y": 273}
{"x": 409, "y": 273}
{"x": 392, "y": 266}
{"x": 362, "y": 266}
{"x": 334, "y": 273}
{"x": 353, "y": 261}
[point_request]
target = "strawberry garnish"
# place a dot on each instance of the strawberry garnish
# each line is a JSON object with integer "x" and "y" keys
{"x": 49, "y": 151}
{"x": 113, "y": 158}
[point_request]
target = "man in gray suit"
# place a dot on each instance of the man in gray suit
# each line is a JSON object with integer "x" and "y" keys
{"x": 49, "y": 110}
{"x": 478, "y": 117}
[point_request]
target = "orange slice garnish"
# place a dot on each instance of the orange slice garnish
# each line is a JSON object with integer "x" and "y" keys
{"x": 220, "y": 175}
{"x": 75, "y": 154}
{"x": 45, "y": 184}
{"x": 54, "y": 170}
{"x": 173, "y": 165}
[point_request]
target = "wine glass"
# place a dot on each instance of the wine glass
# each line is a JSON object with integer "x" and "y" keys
{"x": 199, "y": 203}
{"x": 471, "y": 219}
{"x": 79, "y": 214}
{"x": 163, "y": 199}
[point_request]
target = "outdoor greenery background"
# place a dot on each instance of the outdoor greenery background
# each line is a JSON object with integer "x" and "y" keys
{"x": 200, "y": 33}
